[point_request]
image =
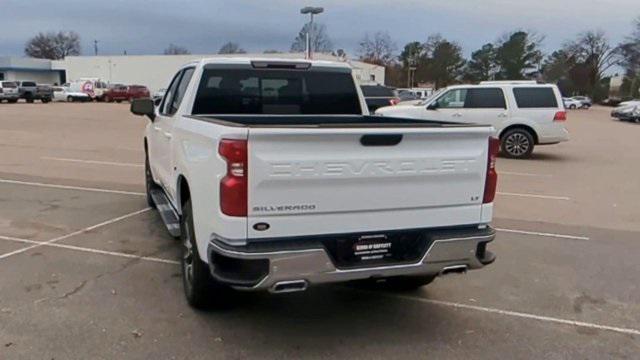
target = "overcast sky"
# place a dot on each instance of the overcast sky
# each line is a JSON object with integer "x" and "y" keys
{"x": 147, "y": 27}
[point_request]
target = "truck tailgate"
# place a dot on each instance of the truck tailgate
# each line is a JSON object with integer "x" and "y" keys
{"x": 313, "y": 181}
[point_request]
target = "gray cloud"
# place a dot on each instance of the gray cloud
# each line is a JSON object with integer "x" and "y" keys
{"x": 147, "y": 27}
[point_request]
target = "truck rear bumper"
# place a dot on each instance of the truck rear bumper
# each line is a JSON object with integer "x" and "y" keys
{"x": 302, "y": 262}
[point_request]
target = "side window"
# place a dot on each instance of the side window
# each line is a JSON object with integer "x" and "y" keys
{"x": 453, "y": 99}
{"x": 168, "y": 96}
{"x": 180, "y": 90}
{"x": 535, "y": 97}
{"x": 485, "y": 98}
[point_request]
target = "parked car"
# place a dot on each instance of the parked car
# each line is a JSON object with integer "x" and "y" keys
{"x": 584, "y": 100}
{"x": 378, "y": 96}
{"x": 116, "y": 92}
{"x": 523, "y": 114}
{"x": 30, "y": 91}
{"x": 137, "y": 92}
{"x": 120, "y": 93}
{"x": 275, "y": 178}
{"x": 94, "y": 87}
{"x": 9, "y": 91}
{"x": 629, "y": 112}
{"x": 62, "y": 93}
{"x": 571, "y": 103}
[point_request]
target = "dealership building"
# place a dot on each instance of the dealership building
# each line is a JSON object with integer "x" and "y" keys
{"x": 153, "y": 71}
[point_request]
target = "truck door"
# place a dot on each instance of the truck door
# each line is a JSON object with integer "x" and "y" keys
{"x": 163, "y": 128}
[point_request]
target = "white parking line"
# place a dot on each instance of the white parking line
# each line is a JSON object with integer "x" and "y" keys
{"x": 523, "y": 315}
{"x": 67, "y": 187}
{"x": 523, "y": 174}
{"x": 81, "y": 231}
{"x": 562, "y": 236}
{"x": 536, "y": 196}
{"x": 96, "y": 162}
{"x": 90, "y": 250}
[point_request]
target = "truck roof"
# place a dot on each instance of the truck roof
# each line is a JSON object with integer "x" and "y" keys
{"x": 247, "y": 61}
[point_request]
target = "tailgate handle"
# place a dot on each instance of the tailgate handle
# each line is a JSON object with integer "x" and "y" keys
{"x": 381, "y": 139}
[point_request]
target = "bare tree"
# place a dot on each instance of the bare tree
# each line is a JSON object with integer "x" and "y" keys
{"x": 231, "y": 48}
{"x": 272, "y": 51}
{"x": 593, "y": 50}
{"x": 174, "y": 49}
{"x": 320, "y": 41}
{"x": 378, "y": 49}
{"x": 52, "y": 45}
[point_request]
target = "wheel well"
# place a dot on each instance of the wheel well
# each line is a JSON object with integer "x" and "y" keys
{"x": 184, "y": 193}
{"x": 523, "y": 127}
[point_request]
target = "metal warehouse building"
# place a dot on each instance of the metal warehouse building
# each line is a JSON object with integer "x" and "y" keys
{"x": 38, "y": 70}
{"x": 153, "y": 71}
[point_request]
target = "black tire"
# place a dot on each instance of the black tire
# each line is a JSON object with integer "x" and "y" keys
{"x": 13, "y": 101}
{"x": 70, "y": 98}
{"x": 118, "y": 101}
{"x": 517, "y": 143}
{"x": 45, "y": 100}
{"x": 572, "y": 107}
{"x": 149, "y": 183}
{"x": 200, "y": 289}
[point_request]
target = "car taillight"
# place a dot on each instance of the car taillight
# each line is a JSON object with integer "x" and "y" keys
{"x": 233, "y": 187}
{"x": 394, "y": 101}
{"x": 560, "y": 116}
{"x": 492, "y": 175}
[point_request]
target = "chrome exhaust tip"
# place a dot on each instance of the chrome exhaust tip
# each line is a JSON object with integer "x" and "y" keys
{"x": 455, "y": 269}
{"x": 289, "y": 286}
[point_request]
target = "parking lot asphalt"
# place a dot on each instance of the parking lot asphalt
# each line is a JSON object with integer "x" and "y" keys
{"x": 88, "y": 271}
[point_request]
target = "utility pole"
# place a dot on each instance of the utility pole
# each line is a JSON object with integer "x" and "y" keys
{"x": 95, "y": 47}
{"x": 311, "y": 11}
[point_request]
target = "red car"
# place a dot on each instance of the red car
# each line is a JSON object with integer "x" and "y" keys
{"x": 121, "y": 92}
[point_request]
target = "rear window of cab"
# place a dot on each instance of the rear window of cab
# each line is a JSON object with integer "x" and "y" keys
{"x": 535, "y": 97}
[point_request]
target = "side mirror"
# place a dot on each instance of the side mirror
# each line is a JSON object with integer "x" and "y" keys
{"x": 433, "y": 106}
{"x": 144, "y": 107}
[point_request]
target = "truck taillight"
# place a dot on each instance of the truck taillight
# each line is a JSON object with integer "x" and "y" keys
{"x": 492, "y": 176}
{"x": 233, "y": 187}
{"x": 560, "y": 116}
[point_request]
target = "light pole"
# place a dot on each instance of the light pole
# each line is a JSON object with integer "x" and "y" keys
{"x": 311, "y": 10}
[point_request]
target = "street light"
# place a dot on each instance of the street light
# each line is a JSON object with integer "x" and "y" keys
{"x": 311, "y": 10}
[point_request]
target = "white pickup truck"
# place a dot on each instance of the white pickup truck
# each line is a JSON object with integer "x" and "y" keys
{"x": 275, "y": 178}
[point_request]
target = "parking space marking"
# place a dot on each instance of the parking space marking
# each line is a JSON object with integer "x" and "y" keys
{"x": 548, "y": 197}
{"x": 78, "y": 232}
{"x": 68, "y": 187}
{"x": 523, "y": 174}
{"x": 95, "y": 162}
{"x": 90, "y": 250}
{"x": 525, "y": 232}
{"x": 518, "y": 314}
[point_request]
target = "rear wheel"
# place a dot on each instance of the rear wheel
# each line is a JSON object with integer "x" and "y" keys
{"x": 200, "y": 289}
{"x": 517, "y": 143}
{"x": 572, "y": 107}
{"x": 70, "y": 98}
{"x": 108, "y": 99}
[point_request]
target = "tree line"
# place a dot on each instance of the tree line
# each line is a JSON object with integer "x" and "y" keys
{"x": 580, "y": 66}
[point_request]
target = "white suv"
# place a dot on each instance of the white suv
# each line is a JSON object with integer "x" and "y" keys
{"x": 523, "y": 113}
